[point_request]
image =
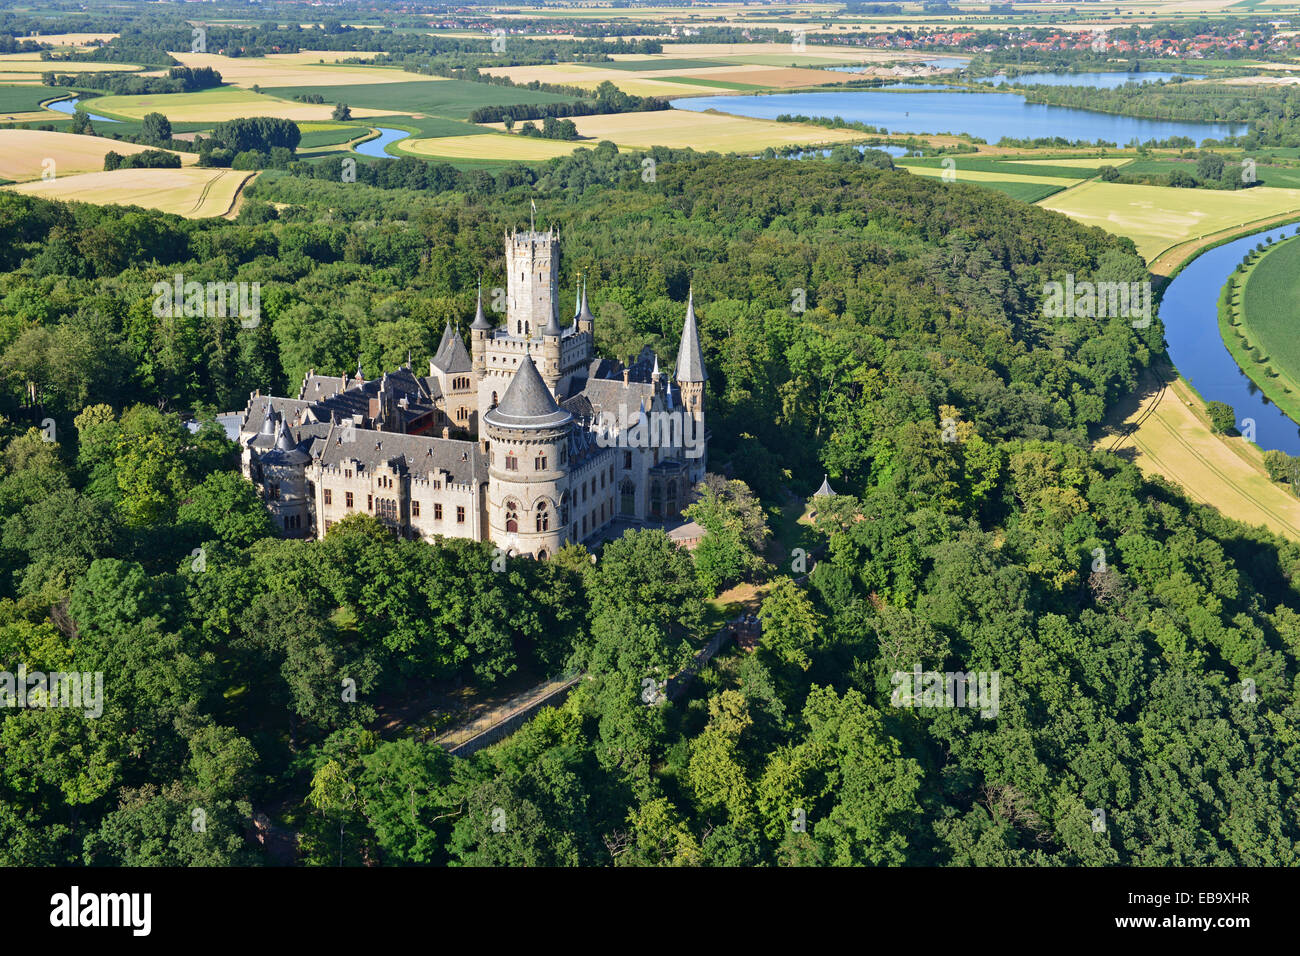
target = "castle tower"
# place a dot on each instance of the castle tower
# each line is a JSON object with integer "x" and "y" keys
{"x": 583, "y": 320}
{"x": 529, "y": 440}
{"x": 532, "y": 282}
{"x": 690, "y": 377}
{"x": 478, "y": 333}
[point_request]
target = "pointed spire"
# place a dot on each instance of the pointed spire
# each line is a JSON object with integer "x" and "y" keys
{"x": 360, "y": 375}
{"x": 577, "y": 298}
{"x": 690, "y": 359}
{"x": 584, "y": 313}
{"x": 480, "y": 320}
{"x": 825, "y": 490}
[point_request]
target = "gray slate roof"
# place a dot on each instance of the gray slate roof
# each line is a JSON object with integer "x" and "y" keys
{"x": 418, "y": 455}
{"x": 825, "y": 490}
{"x": 451, "y": 356}
{"x": 690, "y": 360}
{"x": 527, "y": 402}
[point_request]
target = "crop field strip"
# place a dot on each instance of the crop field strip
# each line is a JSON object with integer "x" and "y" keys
{"x": 192, "y": 192}
{"x": 454, "y": 99}
{"x": 1266, "y": 307}
{"x": 24, "y": 151}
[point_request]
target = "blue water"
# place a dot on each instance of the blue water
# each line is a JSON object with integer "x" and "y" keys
{"x": 1104, "y": 81}
{"x": 989, "y": 116}
{"x": 375, "y": 147}
{"x": 1190, "y": 312}
{"x": 70, "y": 107}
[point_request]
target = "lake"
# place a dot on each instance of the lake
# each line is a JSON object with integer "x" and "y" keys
{"x": 1190, "y": 312}
{"x": 989, "y": 116}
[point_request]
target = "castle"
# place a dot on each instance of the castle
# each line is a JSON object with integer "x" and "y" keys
{"x": 527, "y": 440}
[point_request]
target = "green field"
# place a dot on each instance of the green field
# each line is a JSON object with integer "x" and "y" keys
{"x": 25, "y": 99}
{"x": 1266, "y": 307}
{"x": 1005, "y": 167}
{"x": 451, "y": 98}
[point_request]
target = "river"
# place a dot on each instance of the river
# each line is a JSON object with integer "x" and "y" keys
{"x": 1190, "y": 311}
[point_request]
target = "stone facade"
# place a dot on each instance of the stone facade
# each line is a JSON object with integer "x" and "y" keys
{"x": 528, "y": 439}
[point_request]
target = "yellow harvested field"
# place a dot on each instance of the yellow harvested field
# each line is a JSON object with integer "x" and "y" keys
{"x": 217, "y": 105}
{"x": 1090, "y": 163}
{"x": 298, "y": 69}
{"x": 23, "y": 153}
{"x": 1175, "y": 442}
{"x": 504, "y": 147}
{"x": 194, "y": 193}
{"x": 650, "y": 81}
{"x": 679, "y": 129}
{"x": 72, "y": 39}
{"x": 756, "y": 74}
{"x": 815, "y": 51}
{"x": 28, "y": 63}
{"x": 986, "y": 176}
{"x": 1158, "y": 217}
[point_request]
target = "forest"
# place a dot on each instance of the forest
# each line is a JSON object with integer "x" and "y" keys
{"x": 880, "y": 327}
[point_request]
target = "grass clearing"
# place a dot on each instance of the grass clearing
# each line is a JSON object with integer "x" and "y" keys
{"x": 301, "y": 69}
{"x": 1157, "y": 218}
{"x": 195, "y": 192}
{"x": 23, "y": 153}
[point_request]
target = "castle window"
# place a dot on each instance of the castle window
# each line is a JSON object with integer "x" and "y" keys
{"x": 437, "y": 512}
{"x": 584, "y": 524}
{"x": 460, "y": 514}
{"x": 584, "y": 491}
{"x": 347, "y": 472}
{"x": 611, "y": 472}
{"x": 348, "y": 499}
{"x": 329, "y": 496}
{"x": 539, "y": 463}
{"x": 273, "y": 489}
{"x": 415, "y": 509}
{"x": 370, "y": 502}
{"x": 512, "y": 517}
{"x": 387, "y": 510}
{"x": 602, "y": 479}
{"x": 494, "y": 399}
{"x": 627, "y": 494}
{"x": 627, "y": 461}
{"x": 543, "y": 518}
{"x": 672, "y": 496}
{"x": 563, "y": 454}
{"x": 564, "y": 508}
{"x": 512, "y": 462}
{"x": 461, "y": 413}
{"x": 656, "y": 499}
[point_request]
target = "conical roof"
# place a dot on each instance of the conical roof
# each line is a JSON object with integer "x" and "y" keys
{"x": 825, "y": 490}
{"x": 584, "y": 314}
{"x": 690, "y": 360}
{"x": 480, "y": 320}
{"x": 527, "y": 402}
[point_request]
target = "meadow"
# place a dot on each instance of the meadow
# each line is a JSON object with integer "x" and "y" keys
{"x": 680, "y": 129}
{"x": 1266, "y": 307}
{"x": 195, "y": 193}
{"x": 493, "y": 146}
{"x": 308, "y": 68}
{"x": 1157, "y": 218}
{"x": 24, "y": 152}
{"x": 217, "y": 105}
{"x": 450, "y": 98}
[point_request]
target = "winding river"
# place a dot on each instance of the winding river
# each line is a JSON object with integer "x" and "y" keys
{"x": 375, "y": 147}
{"x": 1190, "y": 311}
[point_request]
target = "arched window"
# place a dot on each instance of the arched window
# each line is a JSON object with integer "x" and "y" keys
{"x": 656, "y": 499}
{"x": 512, "y": 517}
{"x": 627, "y": 492}
{"x": 543, "y": 517}
{"x": 564, "y": 508}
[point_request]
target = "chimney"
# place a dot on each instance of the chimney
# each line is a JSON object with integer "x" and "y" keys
{"x": 626, "y": 373}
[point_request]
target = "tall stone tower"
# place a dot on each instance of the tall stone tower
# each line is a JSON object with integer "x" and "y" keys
{"x": 532, "y": 282}
{"x": 690, "y": 375}
{"x": 529, "y": 435}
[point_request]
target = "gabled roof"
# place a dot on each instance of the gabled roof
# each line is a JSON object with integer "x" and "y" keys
{"x": 527, "y": 402}
{"x": 451, "y": 356}
{"x": 690, "y": 360}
